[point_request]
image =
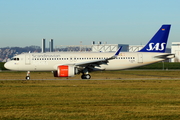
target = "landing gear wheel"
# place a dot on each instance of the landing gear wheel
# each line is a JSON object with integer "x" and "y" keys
{"x": 27, "y": 77}
{"x": 88, "y": 76}
{"x": 82, "y": 76}
{"x": 85, "y": 76}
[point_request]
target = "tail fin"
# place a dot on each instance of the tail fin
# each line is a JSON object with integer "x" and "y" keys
{"x": 159, "y": 40}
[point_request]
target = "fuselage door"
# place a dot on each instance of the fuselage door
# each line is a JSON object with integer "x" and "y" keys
{"x": 27, "y": 60}
{"x": 140, "y": 58}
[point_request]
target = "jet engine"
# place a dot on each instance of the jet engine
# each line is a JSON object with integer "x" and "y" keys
{"x": 65, "y": 71}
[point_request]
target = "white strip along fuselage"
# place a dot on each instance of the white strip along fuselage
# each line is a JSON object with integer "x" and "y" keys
{"x": 50, "y": 61}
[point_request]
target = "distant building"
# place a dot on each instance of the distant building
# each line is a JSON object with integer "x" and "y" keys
{"x": 108, "y": 47}
{"x": 135, "y": 48}
{"x": 175, "y": 49}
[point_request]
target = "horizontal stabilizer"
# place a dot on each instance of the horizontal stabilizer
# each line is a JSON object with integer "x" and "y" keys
{"x": 167, "y": 56}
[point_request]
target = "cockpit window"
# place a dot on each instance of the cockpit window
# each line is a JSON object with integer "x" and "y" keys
{"x": 16, "y": 59}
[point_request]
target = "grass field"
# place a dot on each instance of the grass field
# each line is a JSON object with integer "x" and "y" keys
{"x": 104, "y": 99}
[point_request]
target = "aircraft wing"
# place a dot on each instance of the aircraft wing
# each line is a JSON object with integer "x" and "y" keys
{"x": 100, "y": 61}
{"x": 92, "y": 63}
{"x": 95, "y": 63}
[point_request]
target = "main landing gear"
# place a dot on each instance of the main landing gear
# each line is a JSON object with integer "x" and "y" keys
{"x": 86, "y": 76}
{"x": 28, "y": 75}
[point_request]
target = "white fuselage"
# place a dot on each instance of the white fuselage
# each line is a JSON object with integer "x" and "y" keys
{"x": 50, "y": 61}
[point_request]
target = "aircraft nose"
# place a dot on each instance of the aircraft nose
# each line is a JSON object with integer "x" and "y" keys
{"x": 7, "y": 65}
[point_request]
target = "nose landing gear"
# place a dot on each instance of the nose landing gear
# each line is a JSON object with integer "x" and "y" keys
{"x": 28, "y": 75}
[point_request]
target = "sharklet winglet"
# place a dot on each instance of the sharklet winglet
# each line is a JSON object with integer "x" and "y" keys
{"x": 118, "y": 51}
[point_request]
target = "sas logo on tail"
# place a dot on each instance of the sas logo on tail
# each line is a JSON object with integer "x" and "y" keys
{"x": 157, "y": 46}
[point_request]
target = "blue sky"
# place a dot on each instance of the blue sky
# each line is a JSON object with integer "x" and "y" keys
{"x": 26, "y": 22}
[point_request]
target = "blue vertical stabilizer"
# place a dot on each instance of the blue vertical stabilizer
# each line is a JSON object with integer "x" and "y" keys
{"x": 159, "y": 40}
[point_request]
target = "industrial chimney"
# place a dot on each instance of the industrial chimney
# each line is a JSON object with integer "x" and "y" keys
{"x": 51, "y": 45}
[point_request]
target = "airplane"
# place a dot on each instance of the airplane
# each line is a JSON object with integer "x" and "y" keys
{"x": 68, "y": 64}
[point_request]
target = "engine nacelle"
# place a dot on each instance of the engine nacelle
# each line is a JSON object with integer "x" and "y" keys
{"x": 65, "y": 71}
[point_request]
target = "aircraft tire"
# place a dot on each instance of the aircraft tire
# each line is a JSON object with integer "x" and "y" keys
{"x": 27, "y": 77}
{"x": 87, "y": 76}
{"x": 83, "y": 77}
